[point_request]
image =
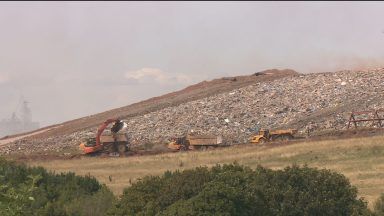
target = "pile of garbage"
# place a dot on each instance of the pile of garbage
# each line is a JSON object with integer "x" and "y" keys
{"x": 321, "y": 100}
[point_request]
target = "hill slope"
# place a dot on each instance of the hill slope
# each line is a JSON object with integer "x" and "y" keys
{"x": 66, "y": 134}
{"x": 233, "y": 108}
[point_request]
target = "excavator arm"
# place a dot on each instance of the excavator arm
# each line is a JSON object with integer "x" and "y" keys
{"x": 116, "y": 127}
{"x": 102, "y": 128}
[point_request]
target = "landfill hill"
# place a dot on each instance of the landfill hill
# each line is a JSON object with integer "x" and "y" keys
{"x": 62, "y": 135}
{"x": 233, "y": 107}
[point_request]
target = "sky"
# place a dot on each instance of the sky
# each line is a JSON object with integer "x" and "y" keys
{"x": 73, "y": 59}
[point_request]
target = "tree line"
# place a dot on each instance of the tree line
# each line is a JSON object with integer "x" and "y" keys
{"x": 229, "y": 189}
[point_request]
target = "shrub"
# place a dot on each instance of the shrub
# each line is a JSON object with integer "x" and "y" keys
{"x": 34, "y": 191}
{"x": 153, "y": 193}
{"x": 238, "y": 190}
{"x": 379, "y": 206}
{"x": 309, "y": 191}
{"x": 227, "y": 194}
{"x": 221, "y": 190}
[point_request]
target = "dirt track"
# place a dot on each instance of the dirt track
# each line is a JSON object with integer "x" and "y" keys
{"x": 9, "y": 139}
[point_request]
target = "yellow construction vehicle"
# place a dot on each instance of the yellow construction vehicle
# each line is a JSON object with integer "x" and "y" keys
{"x": 265, "y": 135}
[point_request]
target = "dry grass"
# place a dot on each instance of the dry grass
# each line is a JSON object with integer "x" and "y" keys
{"x": 360, "y": 159}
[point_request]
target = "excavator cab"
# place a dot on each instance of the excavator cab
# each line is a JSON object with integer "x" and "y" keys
{"x": 180, "y": 143}
{"x": 264, "y": 133}
{"x": 89, "y": 142}
{"x": 261, "y": 137}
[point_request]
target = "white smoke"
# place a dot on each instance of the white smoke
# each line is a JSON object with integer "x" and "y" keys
{"x": 155, "y": 75}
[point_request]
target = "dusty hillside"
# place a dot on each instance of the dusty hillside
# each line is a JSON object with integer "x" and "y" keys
{"x": 325, "y": 99}
{"x": 66, "y": 134}
{"x": 233, "y": 108}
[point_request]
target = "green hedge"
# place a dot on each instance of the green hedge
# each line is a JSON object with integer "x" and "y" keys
{"x": 221, "y": 190}
{"x": 238, "y": 190}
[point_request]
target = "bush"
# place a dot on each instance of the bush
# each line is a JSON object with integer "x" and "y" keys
{"x": 238, "y": 190}
{"x": 34, "y": 191}
{"x": 309, "y": 191}
{"x": 227, "y": 194}
{"x": 221, "y": 190}
{"x": 379, "y": 206}
{"x": 153, "y": 193}
{"x": 91, "y": 205}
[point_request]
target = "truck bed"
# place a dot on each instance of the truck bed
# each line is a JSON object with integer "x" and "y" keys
{"x": 286, "y": 131}
{"x": 110, "y": 139}
{"x": 204, "y": 140}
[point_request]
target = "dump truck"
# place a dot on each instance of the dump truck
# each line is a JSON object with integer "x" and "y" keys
{"x": 195, "y": 142}
{"x": 114, "y": 143}
{"x": 266, "y": 135}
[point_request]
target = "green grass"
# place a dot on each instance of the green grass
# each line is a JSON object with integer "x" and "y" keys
{"x": 360, "y": 159}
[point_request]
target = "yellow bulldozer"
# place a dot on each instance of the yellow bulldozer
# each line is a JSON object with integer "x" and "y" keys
{"x": 265, "y": 135}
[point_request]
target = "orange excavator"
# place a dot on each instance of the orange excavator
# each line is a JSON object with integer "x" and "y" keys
{"x": 115, "y": 143}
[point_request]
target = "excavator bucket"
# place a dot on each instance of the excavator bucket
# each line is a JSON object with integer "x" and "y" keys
{"x": 117, "y": 126}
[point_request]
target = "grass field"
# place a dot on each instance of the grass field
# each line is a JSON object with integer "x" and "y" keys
{"x": 360, "y": 159}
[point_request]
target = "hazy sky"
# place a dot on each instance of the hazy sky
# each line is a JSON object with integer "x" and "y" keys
{"x": 71, "y": 59}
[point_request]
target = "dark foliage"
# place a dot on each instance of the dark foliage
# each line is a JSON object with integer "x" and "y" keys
{"x": 34, "y": 191}
{"x": 379, "y": 206}
{"x": 237, "y": 190}
{"x": 221, "y": 190}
